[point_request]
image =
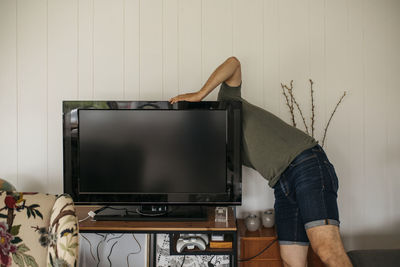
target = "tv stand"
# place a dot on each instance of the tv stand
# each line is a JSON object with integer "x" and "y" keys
{"x": 153, "y": 213}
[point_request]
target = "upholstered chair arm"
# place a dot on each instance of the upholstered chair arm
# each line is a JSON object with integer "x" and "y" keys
{"x": 63, "y": 229}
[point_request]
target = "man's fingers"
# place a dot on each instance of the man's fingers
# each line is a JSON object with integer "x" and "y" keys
{"x": 174, "y": 99}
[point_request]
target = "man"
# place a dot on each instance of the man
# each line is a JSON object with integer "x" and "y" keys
{"x": 304, "y": 182}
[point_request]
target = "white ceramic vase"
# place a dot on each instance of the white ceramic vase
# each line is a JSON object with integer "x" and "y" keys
{"x": 252, "y": 222}
{"x": 268, "y": 218}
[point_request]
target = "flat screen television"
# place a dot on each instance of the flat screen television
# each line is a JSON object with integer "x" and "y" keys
{"x": 152, "y": 153}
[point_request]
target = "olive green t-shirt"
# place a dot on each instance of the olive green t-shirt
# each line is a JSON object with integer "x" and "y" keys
{"x": 269, "y": 143}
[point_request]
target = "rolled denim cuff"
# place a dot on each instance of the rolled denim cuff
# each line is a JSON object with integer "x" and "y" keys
{"x": 283, "y": 242}
{"x": 321, "y": 222}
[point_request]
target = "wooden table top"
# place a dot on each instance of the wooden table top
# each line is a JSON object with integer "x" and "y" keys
{"x": 153, "y": 226}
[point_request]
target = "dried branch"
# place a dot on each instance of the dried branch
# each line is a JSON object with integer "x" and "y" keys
{"x": 312, "y": 108}
{"x": 299, "y": 109}
{"x": 288, "y": 103}
{"x": 330, "y": 118}
{"x": 293, "y": 100}
{"x": 291, "y": 95}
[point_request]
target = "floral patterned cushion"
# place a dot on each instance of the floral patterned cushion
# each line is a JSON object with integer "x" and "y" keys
{"x": 37, "y": 230}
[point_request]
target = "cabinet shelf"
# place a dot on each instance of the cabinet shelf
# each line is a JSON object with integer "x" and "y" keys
{"x": 208, "y": 251}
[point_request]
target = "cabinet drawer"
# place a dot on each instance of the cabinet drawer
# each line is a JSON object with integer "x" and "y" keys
{"x": 262, "y": 263}
{"x": 251, "y": 247}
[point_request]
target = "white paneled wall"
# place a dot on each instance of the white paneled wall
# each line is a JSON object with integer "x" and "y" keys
{"x": 53, "y": 50}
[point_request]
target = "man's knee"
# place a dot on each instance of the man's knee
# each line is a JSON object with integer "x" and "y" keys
{"x": 326, "y": 252}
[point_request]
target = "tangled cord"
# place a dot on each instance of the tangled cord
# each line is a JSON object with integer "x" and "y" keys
{"x": 98, "y": 245}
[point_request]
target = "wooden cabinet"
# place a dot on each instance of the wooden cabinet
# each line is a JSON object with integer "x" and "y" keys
{"x": 251, "y": 243}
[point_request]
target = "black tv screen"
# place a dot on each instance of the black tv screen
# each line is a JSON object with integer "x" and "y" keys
{"x": 152, "y": 152}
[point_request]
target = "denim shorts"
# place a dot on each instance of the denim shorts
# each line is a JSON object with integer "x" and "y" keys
{"x": 305, "y": 196}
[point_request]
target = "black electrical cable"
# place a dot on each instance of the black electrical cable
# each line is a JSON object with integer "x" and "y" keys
{"x": 183, "y": 261}
{"x": 259, "y": 253}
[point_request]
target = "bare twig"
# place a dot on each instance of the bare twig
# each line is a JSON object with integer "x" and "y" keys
{"x": 291, "y": 101}
{"x": 291, "y": 95}
{"x": 330, "y": 118}
{"x": 312, "y": 108}
{"x": 288, "y": 103}
{"x": 298, "y": 107}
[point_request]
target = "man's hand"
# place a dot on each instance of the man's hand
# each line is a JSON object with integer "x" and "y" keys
{"x": 191, "y": 97}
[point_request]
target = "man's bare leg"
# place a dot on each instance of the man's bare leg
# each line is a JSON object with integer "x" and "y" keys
{"x": 326, "y": 242}
{"x": 294, "y": 255}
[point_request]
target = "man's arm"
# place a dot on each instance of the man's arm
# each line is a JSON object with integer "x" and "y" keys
{"x": 228, "y": 72}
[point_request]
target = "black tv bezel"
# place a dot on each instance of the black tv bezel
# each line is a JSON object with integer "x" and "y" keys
{"x": 233, "y": 194}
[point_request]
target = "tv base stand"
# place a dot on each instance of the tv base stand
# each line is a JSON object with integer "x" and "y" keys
{"x": 153, "y": 213}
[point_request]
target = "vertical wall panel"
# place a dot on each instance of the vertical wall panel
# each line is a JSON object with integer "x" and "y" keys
{"x": 392, "y": 113}
{"x": 317, "y": 59}
{"x": 294, "y": 60}
{"x": 8, "y": 91}
{"x": 85, "y": 49}
{"x": 375, "y": 86}
{"x": 151, "y": 50}
{"x": 32, "y": 95}
{"x": 271, "y": 83}
{"x": 248, "y": 47}
{"x": 132, "y": 51}
{"x": 337, "y": 77}
{"x": 108, "y": 49}
{"x": 62, "y": 80}
{"x": 355, "y": 102}
{"x": 217, "y": 37}
{"x": 190, "y": 36}
{"x": 336, "y": 70}
{"x": 272, "y": 97}
{"x": 170, "y": 49}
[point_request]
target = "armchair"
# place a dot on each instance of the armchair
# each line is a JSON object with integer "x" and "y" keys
{"x": 37, "y": 229}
